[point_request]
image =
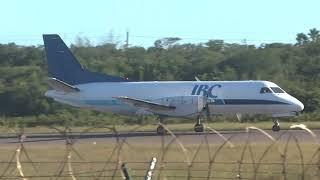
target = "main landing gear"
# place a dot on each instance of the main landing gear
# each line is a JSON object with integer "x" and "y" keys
{"x": 199, "y": 127}
{"x": 161, "y": 130}
{"x": 276, "y": 126}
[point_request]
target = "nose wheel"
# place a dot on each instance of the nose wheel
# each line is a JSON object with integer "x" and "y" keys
{"x": 161, "y": 130}
{"x": 276, "y": 126}
{"x": 199, "y": 127}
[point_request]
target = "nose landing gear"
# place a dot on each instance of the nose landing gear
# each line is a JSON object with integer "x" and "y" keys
{"x": 276, "y": 126}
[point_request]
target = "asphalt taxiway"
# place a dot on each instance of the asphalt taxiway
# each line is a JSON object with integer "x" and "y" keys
{"x": 153, "y": 138}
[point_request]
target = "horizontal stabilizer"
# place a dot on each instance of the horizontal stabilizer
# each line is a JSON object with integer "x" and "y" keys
{"x": 62, "y": 86}
{"x": 144, "y": 104}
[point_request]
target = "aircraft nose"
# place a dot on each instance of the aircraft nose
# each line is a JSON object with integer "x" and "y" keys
{"x": 299, "y": 105}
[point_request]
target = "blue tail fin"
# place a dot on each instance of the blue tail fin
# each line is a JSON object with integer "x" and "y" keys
{"x": 64, "y": 66}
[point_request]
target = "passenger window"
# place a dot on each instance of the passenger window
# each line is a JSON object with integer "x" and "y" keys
{"x": 277, "y": 90}
{"x": 265, "y": 90}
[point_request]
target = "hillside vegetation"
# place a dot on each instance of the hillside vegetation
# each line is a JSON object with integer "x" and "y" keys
{"x": 294, "y": 67}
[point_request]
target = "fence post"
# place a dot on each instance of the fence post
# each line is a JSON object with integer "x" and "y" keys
{"x": 151, "y": 168}
{"x": 125, "y": 171}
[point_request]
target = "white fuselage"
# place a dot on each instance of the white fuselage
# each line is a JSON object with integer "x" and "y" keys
{"x": 225, "y": 97}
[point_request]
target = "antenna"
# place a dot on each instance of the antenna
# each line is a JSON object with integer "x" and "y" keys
{"x": 127, "y": 39}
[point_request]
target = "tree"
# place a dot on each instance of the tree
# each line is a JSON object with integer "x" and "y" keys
{"x": 301, "y": 39}
{"x": 296, "y": 68}
{"x": 215, "y": 45}
{"x": 314, "y": 35}
{"x": 166, "y": 42}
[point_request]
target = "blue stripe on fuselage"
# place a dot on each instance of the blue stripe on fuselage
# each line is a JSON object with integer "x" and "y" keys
{"x": 215, "y": 102}
{"x": 244, "y": 102}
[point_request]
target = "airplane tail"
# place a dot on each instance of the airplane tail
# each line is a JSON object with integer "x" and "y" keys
{"x": 63, "y": 65}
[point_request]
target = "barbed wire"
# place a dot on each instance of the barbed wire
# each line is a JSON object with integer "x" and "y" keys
{"x": 252, "y": 163}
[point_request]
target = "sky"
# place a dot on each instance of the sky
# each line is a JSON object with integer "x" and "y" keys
{"x": 195, "y": 21}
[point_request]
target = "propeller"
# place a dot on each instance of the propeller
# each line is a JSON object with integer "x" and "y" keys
{"x": 206, "y": 106}
{"x": 239, "y": 117}
{"x": 205, "y": 100}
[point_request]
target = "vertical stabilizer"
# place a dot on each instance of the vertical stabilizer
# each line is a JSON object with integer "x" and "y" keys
{"x": 63, "y": 65}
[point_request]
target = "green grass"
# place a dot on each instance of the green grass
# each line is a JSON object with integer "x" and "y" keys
{"x": 227, "y": 163}
{"x": 173, "y": 127}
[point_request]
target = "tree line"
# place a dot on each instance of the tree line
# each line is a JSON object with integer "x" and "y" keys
{"x": 294, "y": 67}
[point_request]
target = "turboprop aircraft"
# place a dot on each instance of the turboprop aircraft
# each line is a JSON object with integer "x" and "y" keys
{"x": 72, "y": 84}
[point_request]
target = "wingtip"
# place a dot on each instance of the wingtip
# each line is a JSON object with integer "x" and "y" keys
{"x": 120, "y": 97}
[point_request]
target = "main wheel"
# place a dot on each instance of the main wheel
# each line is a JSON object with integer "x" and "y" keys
{"x": 199, "y": 128}
{"x": 275, "y": 128}
{"x": 161, "y": 130}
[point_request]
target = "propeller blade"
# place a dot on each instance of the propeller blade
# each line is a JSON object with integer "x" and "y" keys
{"x": 208, "y": 112}
{"x": 239, "y": 117}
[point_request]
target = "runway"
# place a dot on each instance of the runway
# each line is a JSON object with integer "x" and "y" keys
{"x": 150, "y": 138}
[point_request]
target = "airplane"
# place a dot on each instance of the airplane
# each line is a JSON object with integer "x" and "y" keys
{"x": 72, "y": 84}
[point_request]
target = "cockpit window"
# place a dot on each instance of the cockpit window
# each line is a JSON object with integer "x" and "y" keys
{"x": 265, "y": 90}
{"x": 277, "y": 90}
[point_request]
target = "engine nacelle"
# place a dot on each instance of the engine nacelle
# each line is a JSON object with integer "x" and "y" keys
{"x": 290, "y": 114}
{"x": 190, "y": 106}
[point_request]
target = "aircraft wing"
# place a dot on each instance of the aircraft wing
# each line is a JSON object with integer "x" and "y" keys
{"x": 62, "y": 86}
{"x": 144, "y": 104}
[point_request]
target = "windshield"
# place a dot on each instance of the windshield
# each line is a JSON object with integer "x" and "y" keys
{"x": 277, "y": 90}
{"x": 265, "y": 90}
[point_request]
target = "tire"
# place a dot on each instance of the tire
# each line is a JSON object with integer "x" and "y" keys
{"x": 275, "y": 128}
{"x": 161, "y": 130}
{"x": 199, "y": 128}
